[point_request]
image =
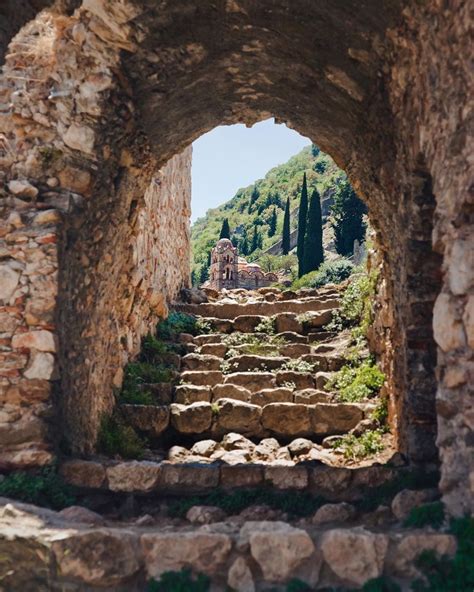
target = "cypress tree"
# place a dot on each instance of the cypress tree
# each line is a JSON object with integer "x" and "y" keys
{"x": 285, "y": 243}
{"x": 347, "y": 218}
{"x": 302, "y": 216}
{"x": 244, "y": 243}
{"x": 225, "y": 230}
{"x": 272, "y": 223}
{"x": 257, "y": 240}
{"x": 313, "y": 245}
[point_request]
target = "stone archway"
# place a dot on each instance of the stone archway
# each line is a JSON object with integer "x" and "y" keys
{"x": 101, "y": 100}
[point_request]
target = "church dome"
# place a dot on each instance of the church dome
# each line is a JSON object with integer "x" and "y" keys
{"x": 224, "y": 242}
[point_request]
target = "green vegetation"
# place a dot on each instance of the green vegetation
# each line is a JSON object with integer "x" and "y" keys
{"x": 295, "y": 503}
{"x": 426, "y": 515}
{"x": 356, "y": 305}
{"x": 180, "y": 322}
{"x": 138, "y": 374}
{"x": 225, "y": 230}
{"x": 356, "y": 383}
{"x": 358, "y": 447}
{"x": 302, "y": 219}
{"x": 298, "y": 365}
{"x": 381, "y": 584}
{"x": 329, "y": 272}
{"x": 262, "y": 204}
{"x": 347, "y": 218}
{"x": 117, "y": 438}
{"x": 313, "y": 255}
{"x": 285, "y": 244}
{"x": 180, "y": 581}
{"x": 267, "y": 325}
{"x": 252, "y": 344}
{"x": 450, "y": 574}
{"x": 42, "y": 488}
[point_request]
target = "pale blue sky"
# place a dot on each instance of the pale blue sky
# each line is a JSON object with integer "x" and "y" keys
{"x": 230, "y": 157}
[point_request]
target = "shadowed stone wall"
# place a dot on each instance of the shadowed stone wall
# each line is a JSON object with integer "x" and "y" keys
{"x": 131, "y": 84}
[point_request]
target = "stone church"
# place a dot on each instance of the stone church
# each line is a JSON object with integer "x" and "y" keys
{"x": 229, "y": 271}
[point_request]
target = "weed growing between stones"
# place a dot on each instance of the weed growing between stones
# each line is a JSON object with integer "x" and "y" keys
{"x": 138, "y": 374}
{"x": 252, "y": 344}
{"x": 267, "y": 325}
{"x": 44, "y": 488}
{"x": 180, "y": 322}
{"x": 356, "y": 306}
{"x": 117, "y": 438}
{"x": 450, "y": 574}
{"x": 426, "y": 515}
{"x": 358, "y": 447}
{"x": 356, "y": 383}
{"x": 294, "y": 503}
{"x": 298, "y": 366}
{"x": 180, "y": 581}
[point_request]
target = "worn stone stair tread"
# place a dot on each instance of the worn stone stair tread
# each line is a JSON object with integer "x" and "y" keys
{"x": 249, "y": 362}
{"x": 229, "y": 310}
{"x": 186, "y": 394}
{"x": 201, "y": 378}
{"x": 201, "y": 362}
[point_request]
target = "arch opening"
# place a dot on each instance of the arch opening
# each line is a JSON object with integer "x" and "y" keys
{"x": 105, "y": 150}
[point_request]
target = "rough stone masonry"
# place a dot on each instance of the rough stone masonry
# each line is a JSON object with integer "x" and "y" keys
{"x": 97, "y": 96}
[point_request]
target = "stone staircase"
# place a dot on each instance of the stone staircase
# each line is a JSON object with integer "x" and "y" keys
{"x": 246, "y": 404}
{"x": 277, "y": 393}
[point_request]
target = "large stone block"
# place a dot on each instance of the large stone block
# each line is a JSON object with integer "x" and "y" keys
{"x": 191, "y": 419}
{"x": 286, "y": 419}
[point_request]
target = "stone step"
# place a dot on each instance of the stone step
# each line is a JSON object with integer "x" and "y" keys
{"x": 265, "y": 412}
{"x": 187, "y": 394}
{"x": 283, "y": 322}
{"x": 201, "y": 362}
{"x": 251, "y": 363}
{"x": 201, "y": 378}
{"x": 165, "y": 477}
{"x": 231, "y": 310}
{"x": 336, "y": 547}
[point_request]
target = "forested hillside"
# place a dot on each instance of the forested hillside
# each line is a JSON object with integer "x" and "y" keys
{"x": 256, "y": 212}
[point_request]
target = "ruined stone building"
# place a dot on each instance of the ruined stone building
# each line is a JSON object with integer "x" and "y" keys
{"x": 229, "y": 271}
{"x": 100, "y": 101}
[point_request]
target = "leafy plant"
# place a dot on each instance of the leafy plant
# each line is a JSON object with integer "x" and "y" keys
{"x": 330, "y": 272}
{"x": 297, "y": 365}
{"x": 138, "y": 374}
{"x": 266, "y": 325}
{"x": 356, "y": 305}
{"x": 358, "y": 447}
{"x": 354, "y": 384}
{"x": 180, "y": 581}
{"x": 450, "y": 574}
{"x": 426, "y": 515}
{"x": 381, "y": 584}
{"x": 117, "y": 438}
{"x": 42, "y": 488}
{"x": 180, "y": 322}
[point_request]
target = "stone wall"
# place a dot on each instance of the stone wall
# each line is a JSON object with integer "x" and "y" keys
{"x": 94, "y": 238}
{"x": 103, "y": 99}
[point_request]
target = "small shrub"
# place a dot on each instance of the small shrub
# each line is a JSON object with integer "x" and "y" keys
{"x": 297, "y": 585}
{"x": 380, "y": 413}
{"x": 152, "y": 348}
{"x": 356, "y": 305}
{"x": 330, "y": 272}
{"x": 44, "y": 488}
{"x": 298, "y": 366}
{"x": 136, "y": 375}
{"x": 117, "y": 438}
{"x": 358, "y": 447}
{"x": 180, "y": 322}
{"x": 180, "y": 581}
{"x": 354, "y": 384}
{"x": 426, "y": 515}
{"x": 450, "y": 574}
{"x": 267, "y": 325}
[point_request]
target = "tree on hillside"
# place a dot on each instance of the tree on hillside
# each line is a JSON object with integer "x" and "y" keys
{"x": 225, "y": 230}
{"x": 257, "y": 240}
{"x": 285, "y": 242}
{"x": 347, "y": 218}
{"x": 302, "y": 215}
{"x": 244, "y": 243}
{"x": 313, "y": 246}
{"x": 253, "y": 198}
{"x": 272, "y": 223}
